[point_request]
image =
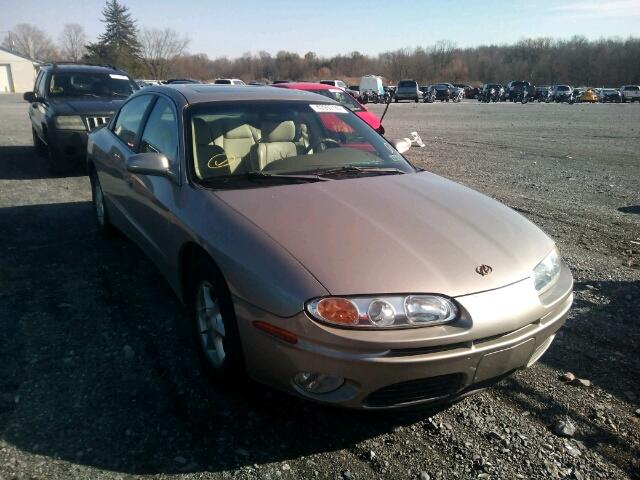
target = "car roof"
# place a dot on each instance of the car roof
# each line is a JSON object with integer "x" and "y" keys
{"x": 306, "y": 86}
{"x": 203, "y": 93}
{"x": 79, "y": 67}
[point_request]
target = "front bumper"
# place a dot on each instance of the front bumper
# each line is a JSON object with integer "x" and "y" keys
{"x": 68, "y": 143}
{"x": 499, "y": 331}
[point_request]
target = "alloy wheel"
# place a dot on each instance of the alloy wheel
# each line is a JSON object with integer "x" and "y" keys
{"x": 211, "y": 331}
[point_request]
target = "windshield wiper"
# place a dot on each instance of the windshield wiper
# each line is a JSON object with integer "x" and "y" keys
{"x": 355, "y": 169}
{"x": 258, "y": 175}
{"x": 255, "y": 174}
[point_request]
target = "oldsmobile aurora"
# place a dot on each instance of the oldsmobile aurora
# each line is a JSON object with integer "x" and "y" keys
{"x": 314, "y": 257}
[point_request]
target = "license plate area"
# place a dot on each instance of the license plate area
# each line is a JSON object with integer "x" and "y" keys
{"x": 498, "y": 363}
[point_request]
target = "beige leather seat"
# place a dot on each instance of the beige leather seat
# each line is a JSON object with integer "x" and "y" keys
{"x": 210, "y": 158}
{"x": 238, "y": 142}
{"x": 277, "y": 142}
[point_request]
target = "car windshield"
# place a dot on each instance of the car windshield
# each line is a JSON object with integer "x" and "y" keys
{"x": 245, "y": 141}
{"x": 222, "y": 81}
{"x": 341, "y": 97}
{"x": 563, "y": 88}
{"x": 407, "y": 84}
{"x": 79, "y": 84}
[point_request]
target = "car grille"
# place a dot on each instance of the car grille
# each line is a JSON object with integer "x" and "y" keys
{"x": 415, "y": 390}
{"x": 93, "y": 122}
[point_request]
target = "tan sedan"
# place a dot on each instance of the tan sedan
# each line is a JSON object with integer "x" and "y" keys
{"x": 314, "y": 257}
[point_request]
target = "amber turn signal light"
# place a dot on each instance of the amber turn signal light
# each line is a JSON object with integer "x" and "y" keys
{"x": 338, "y": 310}
{"x": 277, "y": 332}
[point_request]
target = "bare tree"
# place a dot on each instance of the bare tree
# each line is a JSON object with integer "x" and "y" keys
{"x": 30, "y": 41}
{"x": 72, "y": 42}
{"x": 158, "y": 48}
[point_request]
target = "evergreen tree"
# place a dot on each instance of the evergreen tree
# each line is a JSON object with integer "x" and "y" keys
{"x": 119, "y": 44}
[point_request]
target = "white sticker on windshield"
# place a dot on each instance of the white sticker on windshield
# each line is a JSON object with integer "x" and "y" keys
{"x": 335, "y": 90}
{"x": 118, "y": 77}
{"x": 329, "y": 108}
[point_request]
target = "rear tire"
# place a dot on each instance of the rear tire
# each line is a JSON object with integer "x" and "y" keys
{"x": 214, "y": 324}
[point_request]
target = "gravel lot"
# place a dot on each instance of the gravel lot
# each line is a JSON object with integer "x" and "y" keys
{"x": 98, "y": 379}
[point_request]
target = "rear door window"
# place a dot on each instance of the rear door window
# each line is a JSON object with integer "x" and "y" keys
{"x": 127, "y": 125}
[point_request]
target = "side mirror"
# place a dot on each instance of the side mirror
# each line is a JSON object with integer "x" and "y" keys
{"x": 150, "y": 163}
{"x": 402, "y": 145}
{"x": 30, "y": 97}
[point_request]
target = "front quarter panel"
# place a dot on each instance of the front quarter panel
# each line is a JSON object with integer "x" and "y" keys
{"x": 256, "y": 268}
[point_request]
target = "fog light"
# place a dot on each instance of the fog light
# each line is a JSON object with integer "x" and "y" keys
{"x": 317, "y": 382}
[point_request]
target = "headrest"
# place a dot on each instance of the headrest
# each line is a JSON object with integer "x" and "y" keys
{"x": 241, "y": 131}
{"x": 279, "y": 132}
{"x": 201, "y": 132}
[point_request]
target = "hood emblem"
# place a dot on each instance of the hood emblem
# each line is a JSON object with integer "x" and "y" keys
{"x": 484, "y": 270}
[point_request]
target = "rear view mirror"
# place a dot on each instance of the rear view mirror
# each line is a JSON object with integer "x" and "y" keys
{"x": 29, "y": 97}
{"x": 149, "y": 164}
{"x": 401, "y": 144}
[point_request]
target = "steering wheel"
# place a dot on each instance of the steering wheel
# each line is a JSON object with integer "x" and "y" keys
{"x": 324, "y": 141}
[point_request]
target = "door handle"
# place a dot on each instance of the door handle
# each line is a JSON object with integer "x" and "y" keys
{"x": 116, "y": 156}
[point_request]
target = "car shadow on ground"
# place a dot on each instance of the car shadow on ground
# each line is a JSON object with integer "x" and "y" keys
{"x": 98, "y": 368}
{"x": 630, "y": 209}
{"x": 21, "y": 162}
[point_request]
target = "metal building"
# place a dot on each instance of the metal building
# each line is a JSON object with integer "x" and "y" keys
{"x": 17, "y": 72}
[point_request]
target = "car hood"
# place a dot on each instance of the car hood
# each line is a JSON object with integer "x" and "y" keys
{"x": 87, "y": 105}
{"x": 396, "y": 234}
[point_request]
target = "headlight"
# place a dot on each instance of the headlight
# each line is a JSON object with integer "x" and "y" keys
{"x": 546, "y": 273}
{"x": 69, "y": 122}
{"x": 395, "y": 311}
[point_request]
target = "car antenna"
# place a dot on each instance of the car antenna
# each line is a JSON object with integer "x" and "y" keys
{"x": 385, "y": 109}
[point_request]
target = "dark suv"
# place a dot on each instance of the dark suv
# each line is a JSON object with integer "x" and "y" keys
{"x": 69, "y": 100}
{"x": 514, "y": 89}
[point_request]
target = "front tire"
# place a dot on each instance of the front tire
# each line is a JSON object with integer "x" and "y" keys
{"x": 105, "y": 227}
{"x": 214, "y": 324}
{"x": 38, "y": 145}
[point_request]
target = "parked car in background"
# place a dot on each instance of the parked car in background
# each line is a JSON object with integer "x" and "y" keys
{"x": 563, "y": 93}
{"x": 69, "y": 100}
{"x": 588, "y": 95}
{"x": 443, "y": 91}
{"x": 630, "y": 93}
{"x": 228, "y": 81}
{"x": 146, "y": 82}
{"x": 181, "y": 81}
{"x": 323, "y": 263}
{"x": 407, "y": 90}
{"x": 342, "y": 97}
{"x": 610, "y": 95}
{"x": 543, "y": 93}
{"x": 491, "y": 92}
{"x": 371, "y": 89}
{"x": 335, "y": 83}
{"x": 515, "y": 89}
{"x": 469, "y": 91}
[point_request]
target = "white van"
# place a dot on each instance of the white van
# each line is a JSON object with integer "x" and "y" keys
{"x": 371, "y": 83}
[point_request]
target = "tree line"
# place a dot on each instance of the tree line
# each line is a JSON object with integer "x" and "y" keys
{"x": 160, "y": 54}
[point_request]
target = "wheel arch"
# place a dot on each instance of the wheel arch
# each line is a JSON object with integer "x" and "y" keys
{"x": 189, "y": 254}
